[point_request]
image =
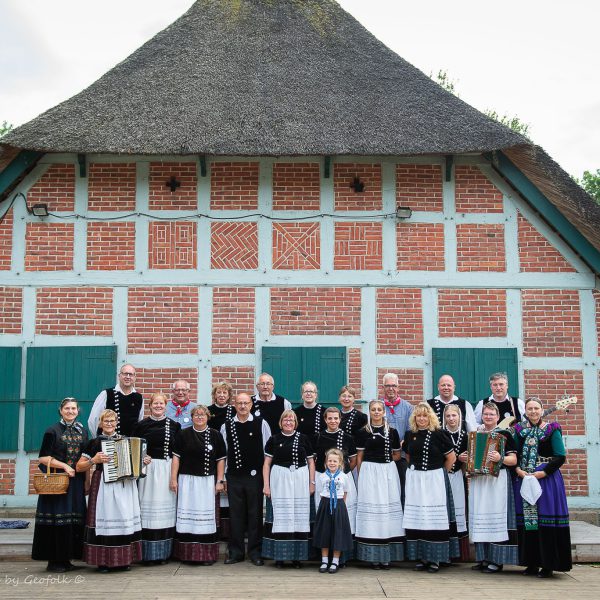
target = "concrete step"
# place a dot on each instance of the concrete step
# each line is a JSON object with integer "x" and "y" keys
{"x": 15, "y": 544}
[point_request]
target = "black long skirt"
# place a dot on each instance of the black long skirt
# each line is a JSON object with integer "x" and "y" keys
{"x": 333, "y": 530}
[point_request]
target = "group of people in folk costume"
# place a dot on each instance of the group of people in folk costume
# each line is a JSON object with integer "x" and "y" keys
{"x": 381, "y": 486}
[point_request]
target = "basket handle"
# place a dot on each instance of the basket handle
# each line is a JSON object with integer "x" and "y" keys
{"x": 49, "y": 467}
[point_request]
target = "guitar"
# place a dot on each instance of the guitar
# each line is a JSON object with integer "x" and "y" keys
{"x": 509, "y": 422}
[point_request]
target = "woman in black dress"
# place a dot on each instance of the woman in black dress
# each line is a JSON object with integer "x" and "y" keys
{"x": 221, "y": 407}
{"x": 352, "y": 420}
{"x": 60, "y": 518}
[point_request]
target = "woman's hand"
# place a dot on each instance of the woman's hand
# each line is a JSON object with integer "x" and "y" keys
{"x": 494, "y": 456}
{"x": 463, "y": 457}
{"x": 267, "y": 490}
{"x": 99, "y": 458}
{"x": 70, "y": 471}
{"x": 520, "y": 473}
{"x": 173, "y": 485}
{"x": 147, "y": 459}
{"x": 219, "y": 487}
{"x": 539, "y": 474}
{"x": 311, "y": 487}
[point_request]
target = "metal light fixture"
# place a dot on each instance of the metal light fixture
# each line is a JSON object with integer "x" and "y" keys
{"x": 39, "y": 210}
{"x": 403, "y": 212}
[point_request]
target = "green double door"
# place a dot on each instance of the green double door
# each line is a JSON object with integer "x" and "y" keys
{"x": 472, "y": 367}
{"x": 291, "y": 367}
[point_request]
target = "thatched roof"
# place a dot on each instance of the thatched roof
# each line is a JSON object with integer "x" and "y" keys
{"x": 264, "y": 77}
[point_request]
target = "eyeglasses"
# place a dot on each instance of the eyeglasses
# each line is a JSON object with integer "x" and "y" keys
{"x": 127, "y": 374}
{"x": 309, "y": 392}
{"x": 390, "y": 385}
{"x": 265, "y": 384}
{"x": 109, "y": 422}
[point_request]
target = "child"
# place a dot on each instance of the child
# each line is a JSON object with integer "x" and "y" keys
{"x": 332, "y": 526}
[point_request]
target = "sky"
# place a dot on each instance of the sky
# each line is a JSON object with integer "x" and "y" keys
{"x": 537, "y": 59}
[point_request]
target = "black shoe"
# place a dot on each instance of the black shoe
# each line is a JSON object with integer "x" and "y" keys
{"x": 376, "y": 566}
{"x": 530, "y": 571}
{"x": 232, "y": 561}
{"x": 333, "y": 569}
{"x": 207, "y": 563}
{"x": 420, "y": 566}
{"x": 323, "y": 568}
{"x": 545, "y": 574}
{"x": 433, "y": 567}
{"x": 279, "y": 564}
{"x": 492, "y": 568}
{"x": 257, "y": 562}
{"x": 296, "y": 564}
{"x": 479, "y": 566}
{"x": 71, "y": 567}
{"x": 103, "y": 569}
{"x": 386, "y": 566}
{"x": 56, "y": 567}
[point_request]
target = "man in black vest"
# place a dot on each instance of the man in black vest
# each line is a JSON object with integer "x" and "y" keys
{"x": 267, "y": 404}
{"x": 446, "y": 388}
{"x": 123, "y": 399}
{"x": 509, "y": 406}
{"x": 245, "y": 437}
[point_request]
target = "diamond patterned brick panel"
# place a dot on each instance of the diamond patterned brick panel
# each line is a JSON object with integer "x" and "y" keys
{"x": 185, "y": 197}
{"x": 296, "y": 186}
{"x": 111, "y": 186}
{"x": 74, "y": 311}
{"x": 480, "y": 247}
{"x": 355, "y": 371}
{"x": 163, "y": 320}
{"x": 11, "y": 309}
{"x": 6, "y": 231}
{"x": 345, "y": 198}
{"x": 234, "y": 185}
{"x": 296, "y": 245}
{"x": 234, "y": 245}
{"x": 474, "y": 192}
{"x": 536, "y": 254}
{"x": 358, "y": 246}
{"x": 399, "y": 321}
{"x": 151, "y": 381}
{"x": 551, "y": 323}
{"x": 410, "y": 383}
{"x": 172, "y": 245}
{"x": 241, "y": 378}
{"x": 233, "y": 320}
{"x": 419, "y": 187}
{"x": 111, "y": 246}
{"x": 56, "y": 188}
{"x": 551, "y": 386}
{"x": 49, "y": 246}
{"x": 420, "y": 246}
{"x": 315, "y": 311}
{"x": 472, "y": 313}
{"x": 575, "y": 473}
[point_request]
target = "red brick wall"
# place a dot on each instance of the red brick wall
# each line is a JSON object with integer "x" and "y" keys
{"x": 551, "y": 386}
{"x": 296, "y": 245}
{"x": 56, "y": 188}
{"x": 233, "y": 245}
{"x": 358, "y": 245}
{"x": 551, "y": 323}
{"x": 7, "y": 476}
{"x": 111, "y": 246}
{"x": 480, "y": 247}
{"x": 296, "y": 186}
{"x": 163, "y": 320}
{"x": 355, "y": 371}
{"x": 420, "y": 246}
{"x": 474, "y": 192}
{"x": 234, "y": 185}
{"x": 410, "y": 384}
{"x": 241, "y": 378}
{"x": 574, "y": 472}
{"x": 33, "y": 468}
{"x": 233, "y": 320}
{"x": 399, "y": 321}
{"x": 472, "y": 313}
{"x": 172, "y": 245}
{"x": 150, "y": 381}
{"x": 11, "y": 309}
{"x": 536, "y": 254}
{"x": 346, "y": 198}
{"x": 419, "y": 187}
{"x": 6, "y": 229}
{"x": 185, "y": 197}
{"x": 315, "y": 311}
{"x": 49, "y": 247}
{"x": 74, "y": 311}
{"x": 111, "y": 186}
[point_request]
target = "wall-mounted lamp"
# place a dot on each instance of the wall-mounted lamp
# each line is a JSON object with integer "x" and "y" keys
{"x": 403, "y": 212}
{"x": 39, "y": 210}
{"x": 357, "y": 185}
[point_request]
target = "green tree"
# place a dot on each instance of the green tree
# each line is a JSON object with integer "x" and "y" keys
{"x": 590, "y": 182}
{"x": 5, "y": 127}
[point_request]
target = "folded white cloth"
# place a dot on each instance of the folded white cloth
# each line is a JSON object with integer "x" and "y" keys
{"x": 531, "y": 490}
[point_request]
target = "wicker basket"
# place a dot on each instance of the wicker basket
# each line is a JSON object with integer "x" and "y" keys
{"x": 50, "y": 483}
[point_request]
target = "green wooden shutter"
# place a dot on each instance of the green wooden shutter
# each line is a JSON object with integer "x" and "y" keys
{"x": 291, "y": 367}
{"x": 472, "y": 367}
{"x": 10, "y": 387}
{"x": 56, "y": 372}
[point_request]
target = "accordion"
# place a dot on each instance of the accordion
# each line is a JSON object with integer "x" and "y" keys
{"x": 480, "y": 445}
{"x": 126, "y": 459}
